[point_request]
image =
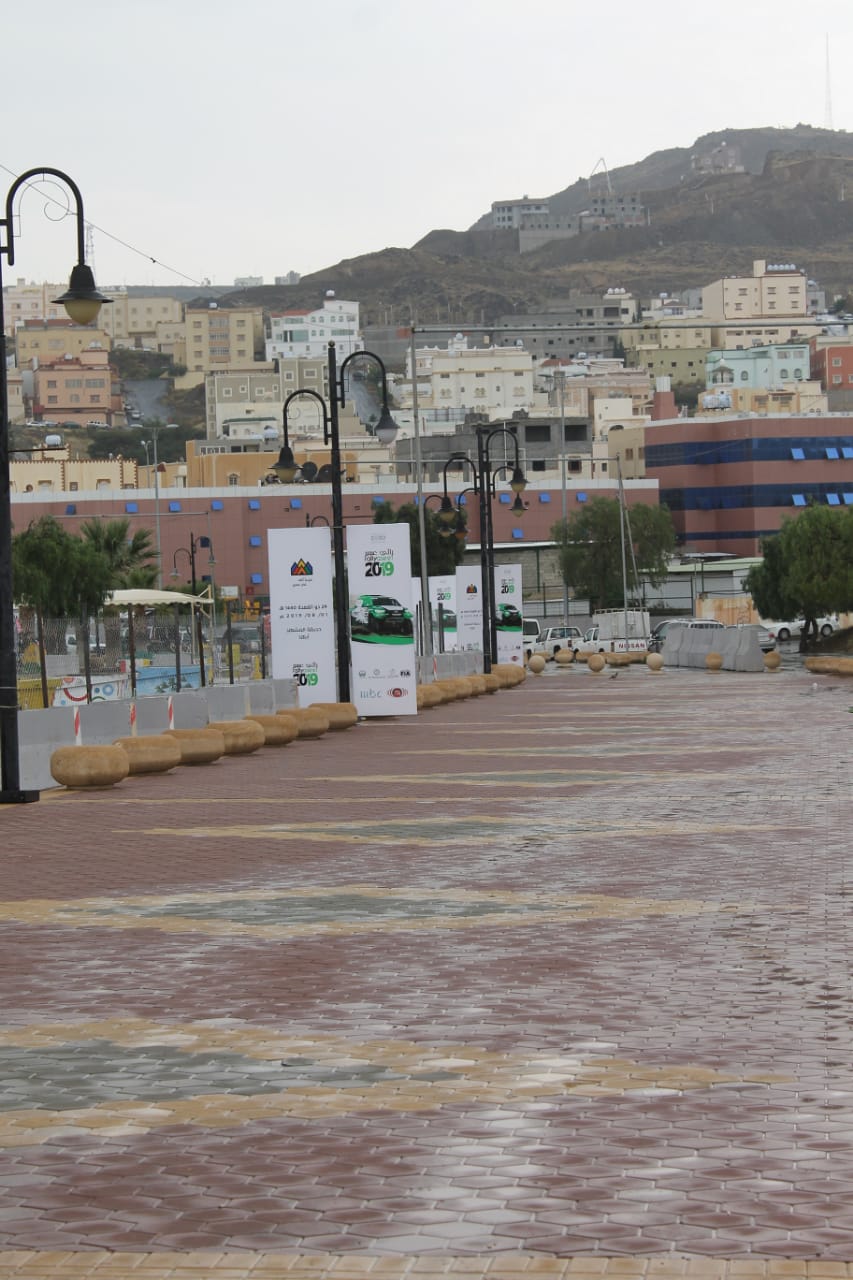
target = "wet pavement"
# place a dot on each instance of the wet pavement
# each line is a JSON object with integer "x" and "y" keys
{"x": 554, "y": 982}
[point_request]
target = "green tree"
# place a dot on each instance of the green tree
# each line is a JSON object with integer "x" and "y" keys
{"x": 589, "y": 544}
{"x": 56, "y": 573}
{"x": 443, "y": 553}
{"x": 807, "y": 569}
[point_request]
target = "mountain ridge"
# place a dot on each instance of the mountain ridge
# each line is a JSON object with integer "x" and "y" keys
{"x": 789, "y": 204}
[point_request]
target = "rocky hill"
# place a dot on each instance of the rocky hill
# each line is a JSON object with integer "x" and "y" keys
{"x": 792, "y": 203}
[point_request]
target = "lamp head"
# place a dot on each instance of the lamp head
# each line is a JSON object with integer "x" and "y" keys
{"x": 386, "y": 428}
{"x": 518, "y": 483}
{"x": 81, "y": 299}
{"x": 517, "y": 508}
{"x": 460, "y": 528}
{"x": 286, "y": 467}
{"x": 446, "y": 512}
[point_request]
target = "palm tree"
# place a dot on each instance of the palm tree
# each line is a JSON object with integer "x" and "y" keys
{"x": 132, "y": 561}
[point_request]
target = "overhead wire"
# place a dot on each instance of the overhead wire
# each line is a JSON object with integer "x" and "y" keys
{"x": 34, "y": 185}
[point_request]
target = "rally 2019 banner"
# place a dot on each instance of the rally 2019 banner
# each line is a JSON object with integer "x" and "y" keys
{"x": 509, "y": 624}
{"x": 469, "y": 607}
{"x": 384, "y": 674}
{"x": 442, "y": 592}
{"x": 302, "y": 627}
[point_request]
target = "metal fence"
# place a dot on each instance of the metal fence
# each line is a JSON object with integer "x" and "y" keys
{"x": 132, "y": 653}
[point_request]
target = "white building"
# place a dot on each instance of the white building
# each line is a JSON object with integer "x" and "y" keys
{"x": 494, "y": 381}
{"x": 308, "y": 333}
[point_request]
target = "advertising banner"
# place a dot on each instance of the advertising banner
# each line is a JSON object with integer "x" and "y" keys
{"x": 384, "y": 675}
{"x": 442, "y": 591}
{"x": 469, "y": 607}
{"x": 509, "y": 624}
{"x": 302, "y": 626}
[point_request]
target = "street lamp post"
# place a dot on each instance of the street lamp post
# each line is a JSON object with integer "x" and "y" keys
{"x": 484, "y": 486}
{"x": 82, "y": 301}
{"x": 190, "y": 551}
{"x": 154, "y": 433}
{"x": 286, "y": 468}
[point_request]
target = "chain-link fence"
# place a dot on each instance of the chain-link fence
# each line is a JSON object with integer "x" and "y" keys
{"x": 65, "y": 661}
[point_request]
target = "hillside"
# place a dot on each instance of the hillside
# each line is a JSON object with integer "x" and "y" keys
{"x": 794, "y": 203}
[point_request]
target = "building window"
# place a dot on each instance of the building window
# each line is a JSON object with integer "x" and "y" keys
{"x": 836, "y": 362}
{"x": 233, "y": 479}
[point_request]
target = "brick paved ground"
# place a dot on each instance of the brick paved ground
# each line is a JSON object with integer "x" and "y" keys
{"x": 553, "y": 983}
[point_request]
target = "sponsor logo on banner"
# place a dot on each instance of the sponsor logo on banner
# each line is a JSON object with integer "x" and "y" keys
{"x": 301, "y": 568}
{"x": 381, "y": 617}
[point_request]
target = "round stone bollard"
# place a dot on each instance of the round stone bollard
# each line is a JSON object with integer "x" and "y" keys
{"x": 198, "y": 746}
{"x": 150, "y": 753}
{"x": 278, "y": 731}
{"x": 310, "y": 722}
{"x": 654, "y": 662}
{"x": 772, "y": 661}
{"x": 242, "y": 737}
{"x": 81, "y": 767}
{"x": 713, "y": 663}
{"x": 492, "y": 682}
{"x": 596, "y": 663}
{"x": 536, "y": 664}
{"x": 563, "y": 657}
{"x": 341, "y": 715}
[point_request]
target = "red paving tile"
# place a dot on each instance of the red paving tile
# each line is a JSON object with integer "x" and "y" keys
{"x": 558, "y": 973}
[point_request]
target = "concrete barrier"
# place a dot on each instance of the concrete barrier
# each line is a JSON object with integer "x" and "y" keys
{"x": 43, "y": 731}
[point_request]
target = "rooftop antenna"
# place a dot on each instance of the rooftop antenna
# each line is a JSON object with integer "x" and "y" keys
{"x": 827, "y": 110}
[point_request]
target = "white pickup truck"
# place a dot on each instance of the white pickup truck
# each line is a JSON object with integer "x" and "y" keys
{"x": 563, "y": 637}
{"x": 607, "y": 633}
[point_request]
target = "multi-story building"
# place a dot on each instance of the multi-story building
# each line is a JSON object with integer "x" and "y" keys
{"x": 222, "y": 337}
{"x": 25, "y": 301}
{"x": 832, "y": 365}
{"x": 731, "y": 479}
{"x": 508, "y": 214}
{"x": 77, "y": 391}
{"x": 774, "y": 290}
{"x": 46, "y": 341}
{"x": 760, "y": 368}
{"x": 307, "y": 333}
{"x": 247, "y": 405}
{"x": 133, "y": 320}
{"x": 491, "y": 381}
{"x": 587, "y": 323}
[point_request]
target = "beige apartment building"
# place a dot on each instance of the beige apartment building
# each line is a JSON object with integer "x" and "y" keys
{"x": 25, "y": 301}
{"x": 47, "y": 341}
{"x": 223, "y": 338}
{"x": 773, "y": 289}
{"x": 80, "y": 391}
{"x": 132, "y": 321}
{"x": 248, "y": 405}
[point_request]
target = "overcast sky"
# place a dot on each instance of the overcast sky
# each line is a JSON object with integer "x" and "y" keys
{"x": 230, "y": 138}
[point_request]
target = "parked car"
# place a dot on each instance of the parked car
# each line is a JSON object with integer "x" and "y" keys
{"x": 531, "y": 630}
{"x": 783, "y": 631}
{"x": 380, "y": 615}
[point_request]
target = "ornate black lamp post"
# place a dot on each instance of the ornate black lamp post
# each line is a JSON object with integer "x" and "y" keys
{"x": 287, "y": 470}
{"x": 82, "y": 301}
{"x": 485, "y": 476}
